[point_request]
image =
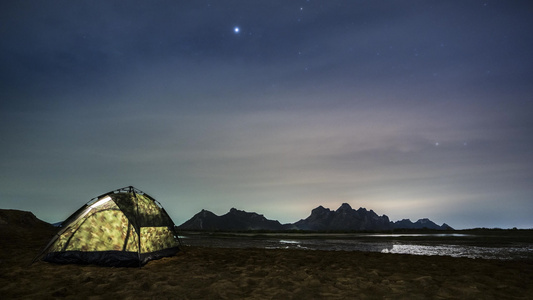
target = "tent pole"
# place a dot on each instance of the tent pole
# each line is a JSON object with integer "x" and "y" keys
{"x": 132, "y": 191}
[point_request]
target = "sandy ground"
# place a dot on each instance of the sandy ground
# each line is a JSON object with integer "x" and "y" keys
{"x": 215, "y": 273}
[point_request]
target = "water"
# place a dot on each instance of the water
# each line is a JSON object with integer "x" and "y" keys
{"x": 465, "y": 251}
{"x": 455, "y": 245}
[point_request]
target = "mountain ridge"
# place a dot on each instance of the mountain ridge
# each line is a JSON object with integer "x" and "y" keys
{"x": 345, "y": 218}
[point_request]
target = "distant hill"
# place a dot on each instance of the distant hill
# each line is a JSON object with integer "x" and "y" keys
{"x": 18, "y": 225}
{"x": 21, "y": 219}
{"x": 420, "y": 224}
{"x": 234, "y": 220}
{"x": 345, "y": 218}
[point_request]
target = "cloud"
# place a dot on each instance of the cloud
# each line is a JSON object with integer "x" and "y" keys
{"x": 402, "y": 109}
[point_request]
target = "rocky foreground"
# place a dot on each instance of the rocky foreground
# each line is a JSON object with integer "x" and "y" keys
{"x": 214, "y": 273}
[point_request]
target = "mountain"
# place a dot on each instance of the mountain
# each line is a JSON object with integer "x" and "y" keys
{"x": 234, "y": 220}
{"x": 18, "y": 225}
{"x": 13, "y": 218}
{"x": 345, "y": 218}
{"x": 420, "y": 224}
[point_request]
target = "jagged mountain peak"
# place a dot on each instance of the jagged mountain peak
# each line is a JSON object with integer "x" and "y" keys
{"x": 233, "y": 220}
{"x": 423, "y": 223}
{"x": 345, "y": 218}
{"x": 424, "y": 220}
{"x": 446, "y": 226}
{"x": 235, "y": 211}
{"x": 344, "y": 206}
{"x": 320, "y": 209}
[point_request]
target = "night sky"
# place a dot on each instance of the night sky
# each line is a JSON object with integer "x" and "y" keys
{"x": 415, "y": 109}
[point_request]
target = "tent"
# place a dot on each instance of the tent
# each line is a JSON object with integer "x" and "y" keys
{"x": 124, "y": 227}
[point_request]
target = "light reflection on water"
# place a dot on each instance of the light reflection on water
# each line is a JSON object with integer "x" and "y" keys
{"x": 518, "y": 251}
{"x": 288, "y": 242}
{"x": 463, "y": 251}
{"x": 420, "y": 234}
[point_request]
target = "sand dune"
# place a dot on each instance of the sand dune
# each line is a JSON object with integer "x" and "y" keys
{"x": 215, "y": 273}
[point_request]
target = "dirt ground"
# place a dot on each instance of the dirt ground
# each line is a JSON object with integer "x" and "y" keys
{"x": 216, "y": 273}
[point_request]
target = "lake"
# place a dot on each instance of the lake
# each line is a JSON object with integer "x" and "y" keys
{"x": 485, "y": 244}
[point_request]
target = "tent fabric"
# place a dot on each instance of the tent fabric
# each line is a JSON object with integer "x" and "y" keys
{"x": 125, "y": 227}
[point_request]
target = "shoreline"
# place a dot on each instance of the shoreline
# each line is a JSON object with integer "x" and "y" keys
{"x": 224, "y": 273}
{"x": 254, "y": 273}
{"x": 493, "y": 245}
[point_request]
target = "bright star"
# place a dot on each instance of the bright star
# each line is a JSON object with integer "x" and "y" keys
{"x": 236, "y": 29}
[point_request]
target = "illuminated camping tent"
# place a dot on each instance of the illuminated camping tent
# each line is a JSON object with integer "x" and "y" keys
{"x": 125, "y": 227}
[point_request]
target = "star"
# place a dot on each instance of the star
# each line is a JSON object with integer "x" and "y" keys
{"x": 236, "y": 29}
